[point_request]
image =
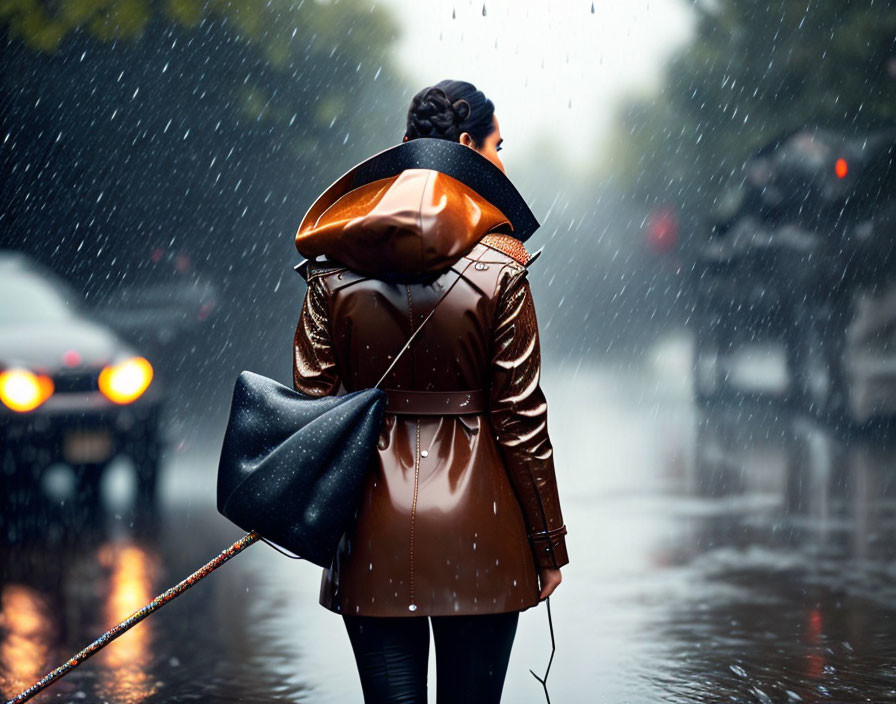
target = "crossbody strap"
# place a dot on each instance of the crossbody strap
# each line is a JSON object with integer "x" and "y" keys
{"x": 420, "y": 327}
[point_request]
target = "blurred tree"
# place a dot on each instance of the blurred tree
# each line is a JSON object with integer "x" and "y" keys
{"x": 753, "y": 72}
{"x": 200, "y": 127}
{"x": 283, "y": 38}
{"x": 134, "y": 122}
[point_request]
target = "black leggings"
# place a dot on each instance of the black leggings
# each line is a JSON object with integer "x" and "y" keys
{"x": 472, "y": 653}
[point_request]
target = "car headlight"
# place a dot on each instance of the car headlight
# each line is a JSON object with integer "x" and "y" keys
{"x": 126, "y": 381}
{"x": 22, "y": 390}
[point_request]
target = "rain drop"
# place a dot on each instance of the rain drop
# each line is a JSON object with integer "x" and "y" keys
{"x": 738, "y": 670}
{"x": 483, "y": 9}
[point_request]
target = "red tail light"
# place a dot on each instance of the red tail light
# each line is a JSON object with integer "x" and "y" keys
{"x": 841, "y": 168}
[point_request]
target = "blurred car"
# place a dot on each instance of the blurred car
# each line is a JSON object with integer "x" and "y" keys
{"x": 163, "y": 301}
{"x": 805, "y": 233}
{"x": 71, "y": 390}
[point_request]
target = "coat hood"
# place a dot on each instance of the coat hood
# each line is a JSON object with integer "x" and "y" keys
{"x": 413, "y": 209}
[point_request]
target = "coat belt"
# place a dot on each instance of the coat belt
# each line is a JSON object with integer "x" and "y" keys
{"x": 436, "y": 403}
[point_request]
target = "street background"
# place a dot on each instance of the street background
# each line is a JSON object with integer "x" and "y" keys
{"x": 731, "y": 525}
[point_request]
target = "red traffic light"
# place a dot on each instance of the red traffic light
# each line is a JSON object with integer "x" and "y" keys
{"x": 841, "y": 168}
{"x": 662, "y": 229}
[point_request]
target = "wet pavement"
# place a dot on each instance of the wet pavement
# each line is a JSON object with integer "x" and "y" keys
{"x": 739, "y": 553}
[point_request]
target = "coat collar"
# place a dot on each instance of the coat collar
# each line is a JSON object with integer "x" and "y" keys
{"x": 451, "y": 158}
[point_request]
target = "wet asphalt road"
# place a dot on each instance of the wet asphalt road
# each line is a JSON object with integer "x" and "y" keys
{"x": 741, "y": 554}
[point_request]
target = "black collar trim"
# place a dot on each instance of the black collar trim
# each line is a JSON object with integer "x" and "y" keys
{"x": 456, "y": 160}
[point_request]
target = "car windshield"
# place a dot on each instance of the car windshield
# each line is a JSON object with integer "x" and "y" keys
{"x": 25, "y": 298}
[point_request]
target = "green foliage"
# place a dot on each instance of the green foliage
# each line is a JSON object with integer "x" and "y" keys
{"x": 753, "y": 72}
{"x": 299, "y": 61}
{"x": 44, "y": 29}
{"x": 269, "y": 24}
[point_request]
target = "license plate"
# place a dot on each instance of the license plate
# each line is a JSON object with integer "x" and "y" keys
{"x": 87, "y": 446}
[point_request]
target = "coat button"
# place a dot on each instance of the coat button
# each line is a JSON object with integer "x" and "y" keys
{"x": 412, "y": 607}
{"x": 424, "y": 453}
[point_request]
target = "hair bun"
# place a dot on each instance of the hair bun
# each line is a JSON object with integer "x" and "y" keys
{"x": 462, "y": 109}
{"x": 447, "y": 110}
{"x": 432, "y": 114}
{"x": 433, "y": 102}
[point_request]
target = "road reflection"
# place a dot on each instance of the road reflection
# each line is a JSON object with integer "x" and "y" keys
{"x": 788, "y": 553}
{"x": 27, "y": 635}
{"x": 132, "y": 583}
{"x": 59, "y": 594}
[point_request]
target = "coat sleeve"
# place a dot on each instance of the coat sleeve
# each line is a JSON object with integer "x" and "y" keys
{"x": 518, "y": 414}
{"x": 313, "y": 364}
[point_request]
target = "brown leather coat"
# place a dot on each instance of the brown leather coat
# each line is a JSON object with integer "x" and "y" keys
{"x": 462, "y": 507}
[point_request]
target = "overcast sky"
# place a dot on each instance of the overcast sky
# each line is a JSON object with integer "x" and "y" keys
{"x": 550, "y": 66}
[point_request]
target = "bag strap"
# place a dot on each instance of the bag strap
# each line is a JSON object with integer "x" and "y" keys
{"x": 420, "y": 327}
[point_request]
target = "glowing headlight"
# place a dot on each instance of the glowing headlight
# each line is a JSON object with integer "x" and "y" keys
{"x": 22, "y": 390}
{"x": 125, "y": 382}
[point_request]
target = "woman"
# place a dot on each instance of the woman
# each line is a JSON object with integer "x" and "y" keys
{"x": 460, "y": 524}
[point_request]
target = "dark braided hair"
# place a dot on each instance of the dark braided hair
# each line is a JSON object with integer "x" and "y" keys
{"x": 448, "y": 109}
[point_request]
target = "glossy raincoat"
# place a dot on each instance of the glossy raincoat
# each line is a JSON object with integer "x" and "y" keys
{"x": 461, "y": 508}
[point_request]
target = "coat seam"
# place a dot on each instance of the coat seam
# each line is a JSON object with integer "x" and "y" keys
{"x": 414, "y": 510}
{"x": 416, "y": 457}
{"x": 411, "y": 319}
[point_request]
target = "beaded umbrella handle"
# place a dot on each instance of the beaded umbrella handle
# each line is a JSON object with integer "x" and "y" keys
{"x": 136, "y": 617}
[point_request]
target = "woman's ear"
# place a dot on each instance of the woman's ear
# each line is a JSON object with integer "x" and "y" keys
{"x": 466, "y": 139}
